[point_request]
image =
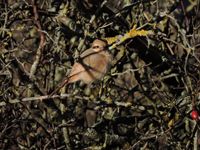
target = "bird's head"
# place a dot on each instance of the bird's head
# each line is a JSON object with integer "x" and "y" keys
{"x": 99, "y": 45}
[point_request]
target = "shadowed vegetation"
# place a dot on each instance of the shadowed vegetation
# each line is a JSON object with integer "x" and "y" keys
{"x": 146, "y": 100}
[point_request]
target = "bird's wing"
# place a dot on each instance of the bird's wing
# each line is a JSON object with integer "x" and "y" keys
{"x": 97, "y": 63}
{"x": 82, "y": 63}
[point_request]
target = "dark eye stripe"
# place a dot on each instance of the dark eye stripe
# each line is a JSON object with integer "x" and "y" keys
{"x": 96, "y": 47}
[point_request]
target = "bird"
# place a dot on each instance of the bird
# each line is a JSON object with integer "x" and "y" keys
{"x": 92, "y": 66}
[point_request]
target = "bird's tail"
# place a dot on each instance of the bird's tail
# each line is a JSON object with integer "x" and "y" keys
{"x": 67, "y": 81}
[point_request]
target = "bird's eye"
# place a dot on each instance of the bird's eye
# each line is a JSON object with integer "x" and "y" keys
{"x": 96, "y": 46}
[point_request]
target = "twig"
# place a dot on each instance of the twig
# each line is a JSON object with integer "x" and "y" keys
{"x": 43, "y": 98}
{"x": 98, "y": 10}
{"x": 131, "y": 70}
{"x": 6, "y": 19}
{"x": 41, "y": 46}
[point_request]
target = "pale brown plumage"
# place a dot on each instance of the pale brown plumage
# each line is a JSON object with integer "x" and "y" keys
{"x": 92, "y": 66}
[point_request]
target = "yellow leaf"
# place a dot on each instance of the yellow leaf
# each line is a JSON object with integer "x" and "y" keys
{"x": 171, "y": 123}
{"x": 22, "y": 27}
{"x": 165, "y": 116}
{"x": 109, "y": 100}
{"x": 78, "y": 22}
{"x": 16, "y": 92}
{"x": 91, "y": 96}
{"x": 128, "y": 103}
{"x": 10, "y": 33}
{"x": 49, "y": 27}
{"x": 154, "y": 26}
{"x": 177, "y": 116}
{"x": 23, "y": 64}
{"x": 104, "y": 145}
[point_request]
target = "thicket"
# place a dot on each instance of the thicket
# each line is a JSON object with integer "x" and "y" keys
{"x": 146, "y": 100}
